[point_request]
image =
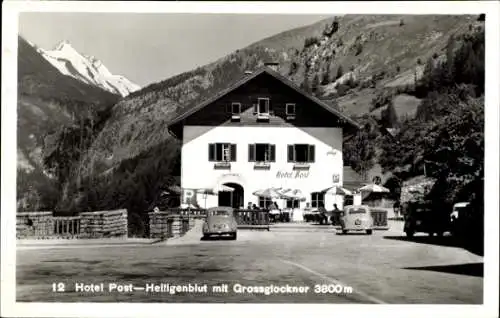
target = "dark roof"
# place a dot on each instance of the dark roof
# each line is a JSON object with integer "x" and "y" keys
{"x": 245, "y": 79}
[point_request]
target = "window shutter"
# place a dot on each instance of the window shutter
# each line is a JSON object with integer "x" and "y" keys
{"x": 251, "y": 152}
{"x": 228, "y": 108}
{"x": 272, "y": 153}
{"x": 311, "y": 153}
{"x": 255, "y": 108}
{"x": 291, "y": 156}
{"x": 270, "y": 106}
{"x": 233, "y": 152}
{"x": 211, "y": 152}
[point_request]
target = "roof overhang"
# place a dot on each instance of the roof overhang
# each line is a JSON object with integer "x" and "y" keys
{"x": 173, "y": 125}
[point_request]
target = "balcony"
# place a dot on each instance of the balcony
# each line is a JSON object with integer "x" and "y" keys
{"x": 223, "y": 165}
{"x": 262, "y": 165}
{"x": 301, "y": 165}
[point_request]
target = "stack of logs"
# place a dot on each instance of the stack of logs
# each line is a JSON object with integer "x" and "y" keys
{"x": 163, "y": 225}
{"x": 34, "y": 224}
{"x": 43, "y": 225}
{"x": 104, "y": 224}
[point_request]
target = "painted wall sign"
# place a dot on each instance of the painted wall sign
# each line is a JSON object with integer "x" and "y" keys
{"x": 292, "y": 175}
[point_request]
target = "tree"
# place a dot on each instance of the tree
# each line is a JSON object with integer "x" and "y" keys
{"x": 360, "y": 152}
{"x": 315, "y": 84}
{"x": 340, "y": 72}
{"x": 326, "y": 78}
{"x": 389, "y": 116}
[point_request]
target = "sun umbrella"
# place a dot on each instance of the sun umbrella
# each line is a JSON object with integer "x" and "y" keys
{"x": 373, "y": 188}
{"x": 270, "y": 193}
{"x": 295, "y": 194}
{"x": 337, "y": 190}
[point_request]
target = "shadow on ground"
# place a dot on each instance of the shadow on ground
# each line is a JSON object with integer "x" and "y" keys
{"x": 216, "y": 238}
{"x": 473, "y": 246}
{"x": 471, "y": 269}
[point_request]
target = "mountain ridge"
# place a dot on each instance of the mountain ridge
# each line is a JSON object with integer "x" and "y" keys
{"x": 86, "y": 68}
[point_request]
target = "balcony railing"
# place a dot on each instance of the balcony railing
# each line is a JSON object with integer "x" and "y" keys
{"x": 301, "y": 165}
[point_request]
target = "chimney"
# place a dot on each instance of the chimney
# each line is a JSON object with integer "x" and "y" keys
{"x": 272, "y": 65}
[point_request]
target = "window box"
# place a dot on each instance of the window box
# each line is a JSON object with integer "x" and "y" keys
{"x": 301, "y": 165}
{"x": 262, "y": 165}
{"x": 222, "y": 165}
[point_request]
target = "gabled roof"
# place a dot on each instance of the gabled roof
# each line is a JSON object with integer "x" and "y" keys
{"x": 245, "y": 79}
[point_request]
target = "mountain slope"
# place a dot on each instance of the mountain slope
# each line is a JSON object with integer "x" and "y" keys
{"x": 378, "y": 56}
{"x": 87, "y": 69}
{"x": 47, "y": 101}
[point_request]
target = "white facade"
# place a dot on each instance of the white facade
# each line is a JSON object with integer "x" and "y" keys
{"x": 198, "y": 172}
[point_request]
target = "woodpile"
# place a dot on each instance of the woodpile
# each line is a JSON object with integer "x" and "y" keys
{"x": 36, "y": 225}
{"x": 163, "y": 225}
{"x": 104, "y": 224}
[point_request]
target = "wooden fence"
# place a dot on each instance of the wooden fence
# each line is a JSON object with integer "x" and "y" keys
{"x": 252, "y": 219}
{"x": 379, "y": 218}
{"x": 66, "y": 227}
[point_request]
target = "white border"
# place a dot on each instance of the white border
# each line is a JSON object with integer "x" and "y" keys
{"x": 8, "y": 177}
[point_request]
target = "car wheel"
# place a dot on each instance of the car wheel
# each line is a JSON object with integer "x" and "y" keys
{"x": 369, "y": 232}
{"x": 344, "y": 231}
{"x": 234, "y": 236}
{"x": 206, "y": 236}
{"x": 409, "y": 233}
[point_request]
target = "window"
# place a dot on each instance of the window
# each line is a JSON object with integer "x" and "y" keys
{"x": 236, "y": 108}
{"x": 292, "y": 204}
{"x": 263, "y": 106}
{"x": 317, "y": 199}
{"x": 261, "y": 153}
{"x": 264, "y": 202}
{"x": 301, "y": 153}
{"x": 222, "y": 152}
{"x": 290, "y": 109}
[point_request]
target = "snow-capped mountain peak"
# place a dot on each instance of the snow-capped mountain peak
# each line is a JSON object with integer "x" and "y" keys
{"x": 87, "y": 69}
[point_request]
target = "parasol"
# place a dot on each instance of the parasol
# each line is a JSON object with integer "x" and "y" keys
{"x": 269, "y": 193}
{"x": 373, "y": 188}
{"x": 337, "y": 190}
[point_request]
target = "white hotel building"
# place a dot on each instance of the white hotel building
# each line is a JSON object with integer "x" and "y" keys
{"x": 262, "y": 132}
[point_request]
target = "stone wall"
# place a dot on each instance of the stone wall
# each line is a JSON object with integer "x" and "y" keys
{"x": 43, "y": 225}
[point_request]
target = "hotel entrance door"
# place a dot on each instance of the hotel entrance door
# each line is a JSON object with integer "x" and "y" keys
{"x": 233, "y": 199}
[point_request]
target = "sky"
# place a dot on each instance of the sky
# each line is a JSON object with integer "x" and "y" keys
{"x": 149, "y": 47}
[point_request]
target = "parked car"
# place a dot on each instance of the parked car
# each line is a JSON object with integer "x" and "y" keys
{"x": 356, "y": 218}
{"x": 220, "y": 221}
{"x": 459, "y": 209}
{"x": 423, "y": 216}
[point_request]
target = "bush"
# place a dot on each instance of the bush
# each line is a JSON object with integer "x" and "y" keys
{"x": 310, "y": 41}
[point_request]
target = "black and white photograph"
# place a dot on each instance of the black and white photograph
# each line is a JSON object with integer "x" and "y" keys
{"x": 250, "y": 153}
